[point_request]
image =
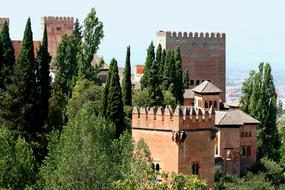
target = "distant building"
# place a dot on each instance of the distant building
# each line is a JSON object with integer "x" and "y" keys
{"x": 194, "y": 138}
{"x": 203, "y": 55}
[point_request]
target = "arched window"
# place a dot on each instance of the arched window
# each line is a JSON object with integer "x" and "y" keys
{"x": 249, "y": 134}
{"x": 206, "y": 104}
{"x": 197, "y": 82}
{"x": 228, "y": 154}
{"x": 153, "y": 166}
{"x": 157, "y": 167}
{"x": 242, "y": 151}
{"x": 246, "y": 134}
{"x": 195, "y": 168}
{"x": 215, "y": 104}
{"x": 191, "y": 82}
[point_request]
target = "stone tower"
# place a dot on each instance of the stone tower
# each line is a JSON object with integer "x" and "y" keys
{"x": 56, "y": 28}
{"x": 2, "y": 21}
{"x": 180, "y": 140}
{"x": 203, "y": 55}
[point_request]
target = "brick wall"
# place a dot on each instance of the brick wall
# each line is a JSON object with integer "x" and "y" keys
{"x": 203, "y": 55}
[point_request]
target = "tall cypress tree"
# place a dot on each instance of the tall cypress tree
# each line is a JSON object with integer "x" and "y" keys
{"x": 178, "y": 83}
{"x": 77, "y": 31}
{"x": 127, "y": 83}
{"x": 169, "y": 73}
{"x": 155, "y": 96}
{"x": 8, "y": 55}
{"x": 147, "y": 66}
{"x": 19, "y": 103}
{"x": 43, "y": 77}
{"x": 115, "y": 111}
{"x": 259, "y": 99}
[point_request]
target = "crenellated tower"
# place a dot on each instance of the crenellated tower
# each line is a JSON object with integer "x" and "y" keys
{"x": 180, "y": 140}
{"x": 2, "y": 21}
{"x": 56, "y": 28}
{"x": 203, "y": 55}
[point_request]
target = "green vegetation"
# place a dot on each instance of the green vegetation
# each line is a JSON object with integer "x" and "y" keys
{"x": 73, "y": 133}
{"x": 259, "y": 99}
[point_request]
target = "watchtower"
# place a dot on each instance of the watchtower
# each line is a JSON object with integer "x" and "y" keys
{"x": 56, "y": 28}
{"x": 203, "y": 55}
{"x": 2, "y": 21}
{"x": 180, "y": 140}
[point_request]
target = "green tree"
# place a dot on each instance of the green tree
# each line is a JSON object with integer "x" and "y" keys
{"x": 7, "y": 56}
{"x": 115, "y": 110}
{"x": 140, "y": 97}
{"x": 92, "y": 35}
{"x": 20, "y": 113}
{"x": 169, "y": 72}
{"x": 18, "y": 166}
{"x": 55, "y": 120}
{"x": 148, "y": 63}
{"x": 155, "y": 97}
{"x": 178, "y": 82}
{"x": 84, "y": 92}
{"x": 186, "y": 79}
{"x": 127, "y": 83}
{"x": 43, "y": 77}
{"x": 259, "y": 99}
{"x": 77, "y": 31}
{"x": 66, "y": 64}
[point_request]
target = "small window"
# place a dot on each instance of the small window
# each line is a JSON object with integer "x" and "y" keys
{"x": 157, "y": 167}
{"x": 242, "y": 134}
{"x": 242, "y": 151}
{"x": 197, "y": 82}
{"x": 58, "y": 28}
{"x": 153, "y": 166}
{"x": 229, "y": 154}
{"x": 246, "y": 134}
{"x": 206, "y": 104}
{"x": 195, "y": 168}
{"x": 215, "y": 104}
{"x": 211, "y": 103}
{"x": 217, "y": 150}
{"x": 248, "y": 151}
{"x": 249, "y": 134}
{"x": 191, "y": 82}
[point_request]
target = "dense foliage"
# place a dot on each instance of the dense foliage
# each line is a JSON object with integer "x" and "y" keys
{"x": 259, "y": 99}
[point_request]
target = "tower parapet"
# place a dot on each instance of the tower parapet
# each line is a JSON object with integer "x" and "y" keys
{"x": 190, "y": 35}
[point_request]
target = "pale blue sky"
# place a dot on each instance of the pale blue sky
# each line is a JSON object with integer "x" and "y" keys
{"x": 255, "y": 28}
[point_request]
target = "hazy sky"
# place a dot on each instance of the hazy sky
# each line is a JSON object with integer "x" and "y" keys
{"x": 255, "y": 29}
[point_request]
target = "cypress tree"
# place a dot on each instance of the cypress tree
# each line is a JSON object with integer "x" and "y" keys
{"x": 106, "y": 90}
{"x": 77, "y": 31}
{"x": 158, "y": 54}
{"x": 259, "y": 99}
{"x": 19, "y": 103}
{"x": 161, "y": 65}
{"x": 169, "y": 73}
{"x": 155, "y": 96}
{"x": 115, "y": 111}
{"x": 147, "y": 66}
{"x": 8, "y": 56}
{"x": 178, "y": 83}
{"x": 127, "y": 83}
{"x": 43, "y": 77}
{"x": 186, "y": 79}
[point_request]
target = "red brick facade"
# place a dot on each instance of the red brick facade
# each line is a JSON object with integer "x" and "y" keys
{"x": 203, "y": 55}
{"x": 180, "y": 140}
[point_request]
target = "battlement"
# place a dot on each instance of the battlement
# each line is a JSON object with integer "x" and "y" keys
{"x": 57, "y": 19}
{"x": 181, "y": 118}
{"x": 185, "y": 35}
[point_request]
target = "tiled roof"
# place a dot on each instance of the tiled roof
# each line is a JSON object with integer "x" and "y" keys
{"x": 206, "y": 87}
{"x": 234, "y": 117}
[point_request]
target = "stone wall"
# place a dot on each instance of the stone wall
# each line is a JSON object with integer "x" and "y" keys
{"x": 203, "y": 55}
